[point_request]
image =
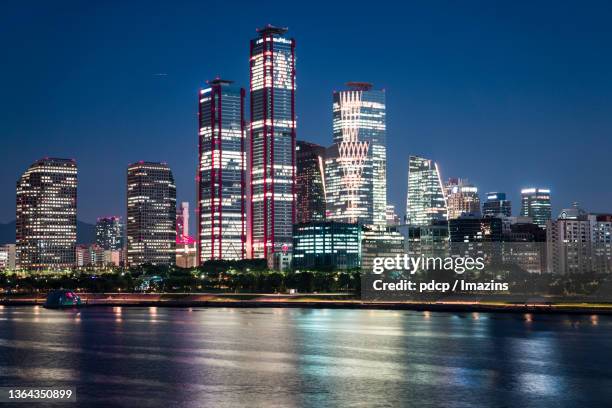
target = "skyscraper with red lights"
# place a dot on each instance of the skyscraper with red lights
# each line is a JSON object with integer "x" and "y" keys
{"x": 221, "y": 207}
{"x": 272, "y": 142}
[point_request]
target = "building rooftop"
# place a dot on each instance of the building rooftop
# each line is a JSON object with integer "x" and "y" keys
{"x": 148, "y": 163}
{"x": 271, "y": 30}
{"x": 359, "y": 86}
{"x": 54, "y": 160}
{"x": 219, "y": 81}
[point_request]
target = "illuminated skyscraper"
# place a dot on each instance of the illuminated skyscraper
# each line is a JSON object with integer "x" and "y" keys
{"x": 310, "y": 182}
{"x": 425, "y": 202}
{"x": 535, "y": 203}
{"x": 151, "y": 214}
{"x": 46, "y": 215}
{"x": 461, "y": 198}
{"x": 355, "y": 166}
{"x": 272, "y": 143}
{"x": 222, "y": 177}
{"x": 496, "y": 204}
{"x": 109, "y": 233}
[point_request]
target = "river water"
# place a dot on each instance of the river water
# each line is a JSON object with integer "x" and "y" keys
{"x": 224, "y": 357}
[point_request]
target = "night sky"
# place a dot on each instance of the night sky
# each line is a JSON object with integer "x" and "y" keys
{"x": 507, "y": 94}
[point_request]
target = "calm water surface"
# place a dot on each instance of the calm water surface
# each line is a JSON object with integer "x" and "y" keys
{"x": 301, "y": 357}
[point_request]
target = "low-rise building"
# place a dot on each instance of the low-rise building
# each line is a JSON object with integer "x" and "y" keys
{"x": 380, "y": 243}
{"x": 326, "y": 244}
{"x": 579, "y": 242}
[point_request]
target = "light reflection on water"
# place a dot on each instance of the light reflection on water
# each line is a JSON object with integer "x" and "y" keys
{"x": 308, "y": 357}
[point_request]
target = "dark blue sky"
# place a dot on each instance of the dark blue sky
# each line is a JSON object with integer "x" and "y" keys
{"x": 508, "y": 94}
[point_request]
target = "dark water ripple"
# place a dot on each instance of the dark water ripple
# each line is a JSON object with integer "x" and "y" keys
{"x": 153, "y": 357}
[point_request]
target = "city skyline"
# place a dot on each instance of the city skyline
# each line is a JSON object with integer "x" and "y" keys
{"x": 455, "y": 159}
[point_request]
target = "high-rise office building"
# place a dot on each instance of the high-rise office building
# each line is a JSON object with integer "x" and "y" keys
{"x": 535, "y": 203}
{"x": 461, "y": 198}
{"x": 272, "y": 142}
{"x": 425, "y": 201}
{"x": 151, "y": 214}
{"x": 46, "y": 215}
{"x": 310, "y": 182}
{"x": 222, "y": 177}
{"x": 109, "y": 233}
{"x": 496, "y": 205}
{"x": 356, "y": 163}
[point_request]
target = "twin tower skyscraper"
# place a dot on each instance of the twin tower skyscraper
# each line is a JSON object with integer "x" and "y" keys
{"x": 246, "y": 174}
{"x": 225, "y": 231}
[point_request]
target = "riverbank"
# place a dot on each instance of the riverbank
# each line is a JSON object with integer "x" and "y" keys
{"x": 320, "y": 301}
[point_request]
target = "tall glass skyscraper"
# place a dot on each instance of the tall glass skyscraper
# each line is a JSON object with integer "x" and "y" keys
{"x": 272, "y": 143}
{"x": 109, "y": 233}
{"x": 356, "y": 164}
{"x": 425, "y": 201}
{"x": 46, "y": 215}
{"x": 310, "y": 182}
{"x": 221, "y": 174}
{"x": 151, "y": 214}
{"x": 535, "y": 203}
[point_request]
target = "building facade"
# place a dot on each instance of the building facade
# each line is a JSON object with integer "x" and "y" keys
{"x": 272, "y": 142}
{"x": 579, "y": 242}
{"x": 8, "y": 257}
{"x": 496, "y": 205}
{"x": 524, "y": 244}
{"x": 461, "y": 198}
{"x": 326, "y": 245}
{"x": 380, "y": 243}
{"x": 109, "y": 233}
{"x": 428, "y": 240}
{"x": 470, "y": 228}
{"x": 425, "y": 201}
{"x": 151, "y": 214}
{"x": 393, "y": 220}
{"x": 310, "y": 182}
{"x": 222, "y": 172}
{"x": 46, "y": 215}
{"x": 356, "y": 163}
{"x": 92, "y": 256}
{"x": 535, "y": 203}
